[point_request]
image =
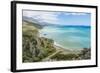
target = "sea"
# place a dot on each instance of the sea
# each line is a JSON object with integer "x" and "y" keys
{"x": 69, "y": 37}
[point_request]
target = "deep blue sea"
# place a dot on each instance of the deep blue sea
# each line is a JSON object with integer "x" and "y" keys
{"x": 70, "y": 37}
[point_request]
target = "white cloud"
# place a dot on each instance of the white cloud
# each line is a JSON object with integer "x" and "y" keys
{"x": 74, "y": 13}
{"x": 41, "y": 16}
{"x": 50, "y": 17}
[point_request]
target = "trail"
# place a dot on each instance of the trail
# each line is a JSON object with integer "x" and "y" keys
{"x": 48, "y": 57}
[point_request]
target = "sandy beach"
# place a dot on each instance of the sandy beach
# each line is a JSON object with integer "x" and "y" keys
{"x": 66, "y": 50}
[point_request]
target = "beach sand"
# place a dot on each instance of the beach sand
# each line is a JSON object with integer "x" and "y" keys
{"x": 66, "y": 50}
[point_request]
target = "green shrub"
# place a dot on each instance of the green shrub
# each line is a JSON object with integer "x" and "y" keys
{"x": 61, "y": 56}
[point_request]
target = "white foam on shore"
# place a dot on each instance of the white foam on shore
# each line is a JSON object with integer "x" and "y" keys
{"x": 58, "y": 45}
{"x": 55, "y": 43}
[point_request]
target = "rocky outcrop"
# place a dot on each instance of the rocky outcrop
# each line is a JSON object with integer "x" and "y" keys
{"x": 85, "y": 53}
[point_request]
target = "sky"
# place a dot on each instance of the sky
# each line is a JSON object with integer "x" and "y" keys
{"x": 60, "y": 18}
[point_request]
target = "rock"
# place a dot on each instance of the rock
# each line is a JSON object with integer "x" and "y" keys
{"x": 85, "y": 53}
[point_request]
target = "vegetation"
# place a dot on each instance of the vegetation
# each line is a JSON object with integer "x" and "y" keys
{"x": 84, "y": 54}
{"x": 61, "y": 56}
{"x": 35, "y": 48}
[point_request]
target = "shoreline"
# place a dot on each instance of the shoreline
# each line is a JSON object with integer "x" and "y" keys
{"x": 56, "y": 44}
{"x": 66, "y": 50}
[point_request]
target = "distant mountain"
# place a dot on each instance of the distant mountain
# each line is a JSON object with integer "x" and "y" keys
{"x": 31, "y": 21}
{"x": 42, "y": 24}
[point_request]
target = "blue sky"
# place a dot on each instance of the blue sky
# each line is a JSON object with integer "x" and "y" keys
{"x": 60, "y": 18}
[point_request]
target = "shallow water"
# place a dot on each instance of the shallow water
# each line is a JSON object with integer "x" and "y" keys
{"x": 70, "y": 37}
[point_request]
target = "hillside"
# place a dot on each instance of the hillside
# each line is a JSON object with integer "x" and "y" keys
{"x": 31, "y": 21}
{"x": 35, "y": 48}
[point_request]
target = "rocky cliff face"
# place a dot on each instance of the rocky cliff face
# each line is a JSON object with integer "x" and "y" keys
{"x": 34, "y": 47}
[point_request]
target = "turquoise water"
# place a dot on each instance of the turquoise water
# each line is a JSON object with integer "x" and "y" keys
{"x": 70, "y": 37}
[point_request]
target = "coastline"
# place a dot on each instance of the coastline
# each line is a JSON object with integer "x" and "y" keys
{"x": 42, "y": 48}
{"x": 66, "y": 50}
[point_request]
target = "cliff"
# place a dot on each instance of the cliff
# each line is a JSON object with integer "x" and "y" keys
{"x": 35, "y": 48}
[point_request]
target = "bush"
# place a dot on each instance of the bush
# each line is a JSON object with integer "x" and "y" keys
{"x": 61, "y": 56}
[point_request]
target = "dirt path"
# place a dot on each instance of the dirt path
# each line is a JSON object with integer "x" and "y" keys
{"x": 58, "y": 50}
{"x": 48, "y": 58}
